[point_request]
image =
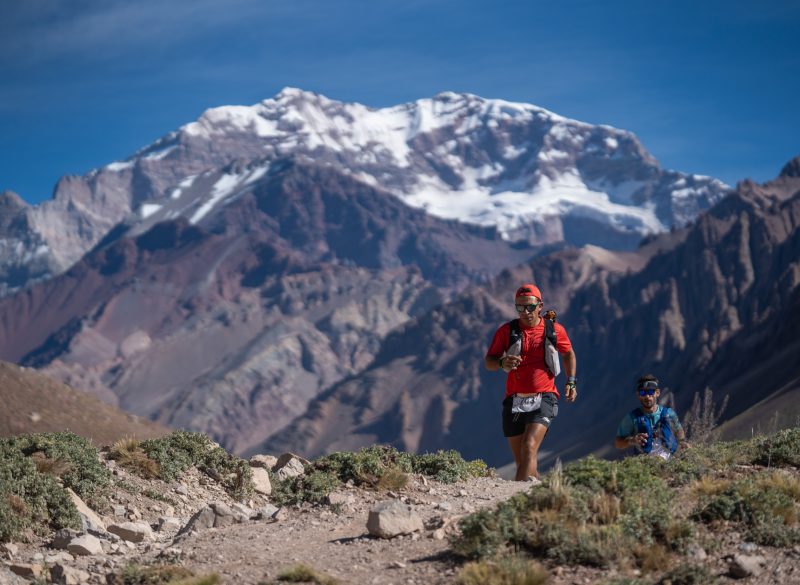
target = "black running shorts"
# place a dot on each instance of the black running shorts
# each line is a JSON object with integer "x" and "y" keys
{"x": 514, "y": 423}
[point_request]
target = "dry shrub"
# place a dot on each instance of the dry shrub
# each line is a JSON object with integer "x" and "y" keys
{"x": 709, "y": 486}
{"x": 783, "y": 483}
{"x": 652, "y": 558}
{"x": 55, "y": 467}
{"x": 512, "y": 570}
{"x": 606, "y": 508}
{"x": 702, "y": 419}
{"x": 130, "y": 455}
{"x": 392, "y": 479}
{"x": 305, "y": 574}
{"x": 17, "y": 504}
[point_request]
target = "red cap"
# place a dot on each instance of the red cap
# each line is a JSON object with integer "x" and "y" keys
{"x": 528, "y": 290}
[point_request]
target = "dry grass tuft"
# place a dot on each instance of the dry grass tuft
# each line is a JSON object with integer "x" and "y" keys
{"x": 652, "y": 558}
{"x": 512, "y": 570}
{"x": 392, "y": 479}
{"x": 17, "y": 504}
{"x": 129, "y": 454}
{"x": 305, "y": 574}
{"x": 56, "y": 467}
{"x": 709, "y": 486}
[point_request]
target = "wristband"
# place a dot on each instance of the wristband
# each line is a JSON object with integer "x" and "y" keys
{"x": 572, "y": 380}
{"x": 500, "y": 362}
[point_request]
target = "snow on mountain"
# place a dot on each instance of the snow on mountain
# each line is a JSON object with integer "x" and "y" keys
{"x": 459, "y": 156}
{"x": 532, "y": 174}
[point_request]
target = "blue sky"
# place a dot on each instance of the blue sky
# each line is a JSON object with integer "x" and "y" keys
{"x": 710, "y": 87}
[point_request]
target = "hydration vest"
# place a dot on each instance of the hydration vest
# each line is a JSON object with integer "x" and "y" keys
{"x": 644, "y": 425}
{"x": 550, "y": 339}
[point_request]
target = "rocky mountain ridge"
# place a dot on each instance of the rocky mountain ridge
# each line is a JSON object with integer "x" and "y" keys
{"x": 529, "y": 174}
{"x": 714, "y": 305}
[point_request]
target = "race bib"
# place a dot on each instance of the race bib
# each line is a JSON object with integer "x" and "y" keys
{"x": 526, "y": 403}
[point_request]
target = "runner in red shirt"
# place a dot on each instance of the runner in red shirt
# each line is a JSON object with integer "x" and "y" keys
{"x": 528, "y": 375}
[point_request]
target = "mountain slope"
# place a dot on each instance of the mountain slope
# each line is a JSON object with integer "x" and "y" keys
{"x": 34, "y": 403}
{"x": 232, "y": 325}
{"x": 713, "y": 305}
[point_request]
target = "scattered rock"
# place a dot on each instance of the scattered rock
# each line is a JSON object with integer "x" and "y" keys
{"x": 390, "y": 519}
{"x": 119, "y": 510}
{"x": 181, "y": 489}
{"x": 132, "y": 531}
{"x": 89, "y": 519}
{"x": 267, "y": 512}
{"x": 743, "y": 566}
{"x": 27, "y": 570}
{"x": 64, "y": 575}
{"x": 261, "y": 482}
{"x": 339, "y": 498}
{"x": 9, "y": 549}
{"x": 85, "y": 545}
{"x": 748, "y": 547}
{"x": 446, "y": 506}
{"x": 63, "y": 537}
{"x": 168, "y": 524}
{"x": 289, "y": 465}
{"x": 59, "y": 557}
{"x": 263, "y": 461}
{"x": 245, "y": 511}
{"x": 697, "y": 552}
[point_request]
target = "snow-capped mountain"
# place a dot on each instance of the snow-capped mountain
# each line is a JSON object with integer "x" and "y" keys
{"x": 527, "y": 172}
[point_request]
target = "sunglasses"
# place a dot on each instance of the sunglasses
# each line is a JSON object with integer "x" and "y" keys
{"x": 527, "y": 308}
{"x": 647, "y": 392}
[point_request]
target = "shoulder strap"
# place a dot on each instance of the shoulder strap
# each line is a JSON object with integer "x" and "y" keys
{"x": 643, "y": 425}
{"x": 514, "y": 332}
{"x": 550, "y": 331}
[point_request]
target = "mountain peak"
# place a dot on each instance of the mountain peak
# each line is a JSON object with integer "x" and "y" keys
{"x": 792, "y": 168}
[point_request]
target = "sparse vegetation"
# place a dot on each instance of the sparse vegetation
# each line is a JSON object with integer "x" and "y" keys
{"x": 703, "y": 417}
{"x": 31, "y": 496}
{"x": 73, "y": 459}
{"x": 625, "y": 513}
{"x": 379, "y": 467}
{"x": 160, "y": 575}
{"x": 305, "y": 574}
{"x": 510, "y": 570}
{"x": 169, "y": 457}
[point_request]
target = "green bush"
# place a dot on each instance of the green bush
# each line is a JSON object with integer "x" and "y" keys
{"x": 779, "y": 450}
{"x": 311, "y": 487}
{"x": 83, "y": 471}
{"x": 766, "y": 512}
{"x": 181, "y": 450}
{"x": 30, "y": 499}
{"x": 378, "y": 466}
{"x": 597, "y": 513}
{"x": 687, "y": 574}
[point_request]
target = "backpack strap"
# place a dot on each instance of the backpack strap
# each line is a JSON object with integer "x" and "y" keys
{"x": 667, "y": 432}
{"x": 514, "y": 332}
{"x": 643, "y": 425}
{"x": 550, "y": 331}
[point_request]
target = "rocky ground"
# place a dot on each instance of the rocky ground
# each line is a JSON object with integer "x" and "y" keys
{"x": 194, "y": 523}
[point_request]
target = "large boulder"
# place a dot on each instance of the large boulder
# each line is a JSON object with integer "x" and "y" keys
{"x": 132, "y": 531}
{"x": 393, "y": 518}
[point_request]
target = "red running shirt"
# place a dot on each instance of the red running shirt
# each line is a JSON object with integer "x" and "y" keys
{"x": 532, "y": 374}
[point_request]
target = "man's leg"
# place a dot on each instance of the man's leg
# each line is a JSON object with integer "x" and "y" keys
{"x": 516, "y": 448}
{"x": 530, "y": 441}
